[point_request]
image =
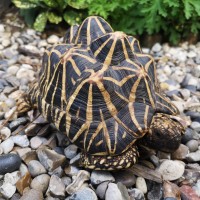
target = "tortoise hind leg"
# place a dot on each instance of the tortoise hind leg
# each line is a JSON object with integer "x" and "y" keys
{"x": 98, "y": 162}
{"x": 28, "y": 101}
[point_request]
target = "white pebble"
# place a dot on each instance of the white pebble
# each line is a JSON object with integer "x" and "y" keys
{"x": 141, "y": 184}
{"x": 53, "y": 39}
{"x": 7, "y": 190}
{"x": 21, "y": 140}
{"x": 7, "y": 145}
{"x": 5, "y": 133}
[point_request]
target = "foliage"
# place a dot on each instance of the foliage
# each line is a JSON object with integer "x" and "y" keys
{"x": 175, "y": 19}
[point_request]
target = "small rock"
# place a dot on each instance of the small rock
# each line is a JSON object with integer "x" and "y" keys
{"x": 12, "y": 177}
{"x": 7, "y": 190}
{"x": 155, "y": 191}
{"x": 84, "y": 194}
{"x": 56, "y": 187}
{"x": 196, "y": 188}
{"x": 113, "y": 192}
{"x": 9, "y": 163}
{"x": 53, "y": 39}
{"x": 21, "y": 140}
{"x": 191, "y": 175}
{"x": 66, "y": 180}
{"x": 126, "y": 177}
{"x": 98, "y": 177}
{"x": 12, "y": 69}
{"x": 193, "y": 157}
{"x": 136, "y": 194}
{"x": 36, "y": 168}
{"x": 163, "y": 155}
{"x": 171, "y": 170}
{"x": 36, "y": 142}
{"x": 191, "y": 54}
{"x": 156, "y": 47}
{"x": 71, "y": 170}
{"x": 101, "y": 189}
{"x": 16, "y": 196}
{"x": 25, "y": 73}
{"x": 50, "y": 159}
{"x": 57, "y": 172}
{"x": 123, "y": 190}
{"x": 141, "y": 184}
{"x": 78, "y": 182}
{"x": 32, "y": 194}
{"x": 23, "y": 182}
{"x": 5, "y": 133}
{"x": 185, "y": 93}
{"x": 192, "y": 145}
{"x": 20, "y": 121}
{"x": 27, "y": 154}
{"x": 71, "y": 151}
{"x": 75, "y": 160}
{"x": 195, "y": 126}
{"x": 40, "y": 183}
{"x": 7, "y": 145}
{"x": 23, "y": 169}
{"x": 180, "y": 153}
{"x": 189, "y": 133}
{"x": 188, "y": 193}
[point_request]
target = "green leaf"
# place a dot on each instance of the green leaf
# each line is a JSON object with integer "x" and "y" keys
{"x": 51, "y": 3}
{"x": 72, "y": 17}
{"x": 53, "y": 18}
{"x": 29, "y": 15}
{"x": 80, "y": 4}
{"x": 25, "y": 4}
{"x": 40, "y": 22}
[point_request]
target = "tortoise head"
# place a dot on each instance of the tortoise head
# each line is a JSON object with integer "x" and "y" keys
{"x": 165, "y": 132}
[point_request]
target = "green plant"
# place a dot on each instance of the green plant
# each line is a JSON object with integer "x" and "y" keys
{"x": 174, "y": 19}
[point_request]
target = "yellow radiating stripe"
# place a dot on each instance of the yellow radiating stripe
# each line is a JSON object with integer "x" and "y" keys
{"x": 63, "y": 92}
{"x": 132, "y": 114}
{"x": 71, "y": 34}
{"x": 110, "y": 53}
{"x": 75, "y": 67}
{"x": 122, "y": 97}
{"x": 101, "y": 47}
{"x": 53, "y": 95}
{"x": 73, "y": 81}
{"x": 146, "y": 116}
{"x": 99, "y": 143}
{"x": 60, "y": 116}
{"x": 100, "y": 25}
{"x": 89, "y": 116}
{"x": 68, "y": 123}
{"x": 119, "y": 83}
{"x": 116, "y": 126}
{"x": 124, "y": 50}
{"x": 88, "y": 32}
{"x": 133, "y": 63}
{"x": 124, "y": 68}
{"x": 80, "y": 131}
{"x": 79, "y": 30}
{"x": 105, "y": 131}
{"x": 133, "y": 89}
{"x": 94, "y": 135}
{"x": 149, "y": 93}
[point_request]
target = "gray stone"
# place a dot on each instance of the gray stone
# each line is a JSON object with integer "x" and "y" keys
{"x": 75, "y": 160}
{"x": 84, "y": 194}
{"x": 32, "y": 194}
{"x": 50, "y": 159}
{"x": 5, "y": 133}
{"x": 78, "y": 182}
{"x": 141, "y": 184}
{"x": 21, "y": 140}
{"x": 36, "y": 168}
{"x": 126, "y": 177}
{"x": 71, "y": 170}
{"x": 155, "y": 192}
{"x": 56, "y": 187}
{"x": 193, "y": 157}
{"x": 25, "y": 73}
{"x": 136, "y": 194}
{"x": 40, "y": 183}
{"x": 66, "y": 180}
{"x": 171, "y": 170}
{"x": 195, "y": 126}
{"x": 53, "y": 39}
{"x": 98, "y": 177}
{"x": 7, "y": 190}
{"x": 7, "y": 145}
{"x": 192, "y": 145}
{"x": 36, "y": 142}
{"x": 123, "y": 190}
{"x": 189, "y": 135}
{"x": 20, "y": 121}
{"x": 180, "y": 153}
{"x": 57, "y": 172}
{"x": 101, "y": 189}
{"x": 12, "y": 177}
{"x": 113, "y": 192}
{"x": 185, "y": 93}
{"x": 156, "y": 48}
{"x": 13, "y": 69}
{"x": 196, "y": 188}
{"x": 71, "y": 151}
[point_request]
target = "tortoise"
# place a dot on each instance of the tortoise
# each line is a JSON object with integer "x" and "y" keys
{"x": 101, "y": 90}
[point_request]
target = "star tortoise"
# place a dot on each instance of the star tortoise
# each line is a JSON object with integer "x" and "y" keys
{"x": 101, "y": 90}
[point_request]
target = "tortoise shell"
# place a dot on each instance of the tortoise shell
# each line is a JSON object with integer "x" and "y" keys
{"x": 99, "y": 88}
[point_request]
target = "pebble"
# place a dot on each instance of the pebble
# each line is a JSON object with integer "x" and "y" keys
{"x": 36, "y": 142}
{"x": 195, "y": 126}
{"x": 56, "y": 187}
{"x": 12, "y": 177}
{"x": 13, "y": 69}
{"x": 41, "y": 183}
{"x": 192, "y": 145}
{"x": 50, "y": 159}
{"x": 180, "y": 153}
{"x": 71, "y": 170}
{"x": 32, "y": 194}
{"x": 7, "y": 145}
{"x": 156, "y": 47}
{"x": 84, "y": 194}
{"x": 141, "y": 184}
{"x": 155, "y": 191}
{"x": 36, "y": 168}
{"x": 126, "y": 177}
{"x": 5, "y": 133}
{"x": 20, "y": 121}
{"x": 188, "y": 193}
{"x": 136, "y": 194}
{"x": 189, "y": 135}
{"x": 193, "y": 157}
{"x": 70, "y": 151}
{"x": 101, "y": 189}
{"x": 66, "y": 180}
{"x": 171, "y": 170}
{"x": 196, "y": 188}
{"x": 113, "y": 192}
{"x": 98, "y": 177}
{"x": 7, "y": 190}
{"x": 23, "y": 182}
{"x": 21, "y": 140}
{"x": 53, "y": 39}
{"x": 82, "y": 176}
{"x": 9, "y": 163}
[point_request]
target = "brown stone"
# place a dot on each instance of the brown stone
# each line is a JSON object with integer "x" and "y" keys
{"x": 180, "y": 153}
{"x": 24, "y": 182}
